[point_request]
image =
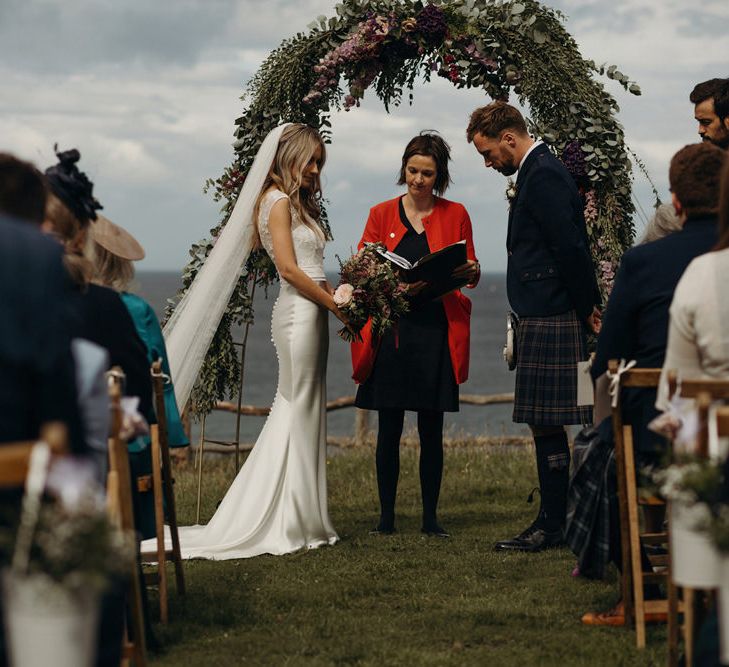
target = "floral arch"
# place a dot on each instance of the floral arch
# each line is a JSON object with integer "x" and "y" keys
{"x": 519, "y": 47}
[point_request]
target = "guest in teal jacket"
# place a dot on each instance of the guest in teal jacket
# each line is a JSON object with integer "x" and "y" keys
{"x": 112, "y": 250}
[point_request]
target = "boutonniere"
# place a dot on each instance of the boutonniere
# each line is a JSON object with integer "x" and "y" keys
{"x": 510, "y": 191}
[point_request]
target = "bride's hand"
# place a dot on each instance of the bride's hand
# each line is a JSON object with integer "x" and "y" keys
{"x": 342, "y": 317}
{"x": 413, "y": 289}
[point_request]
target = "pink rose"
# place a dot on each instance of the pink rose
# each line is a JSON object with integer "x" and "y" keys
{"x": 343, "y": 294}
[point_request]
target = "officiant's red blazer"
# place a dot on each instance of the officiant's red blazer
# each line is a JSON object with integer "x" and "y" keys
{"x": 448, "y": 223}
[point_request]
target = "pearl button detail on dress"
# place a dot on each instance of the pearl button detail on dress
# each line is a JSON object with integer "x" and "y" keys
{"x": 392, "y": 235}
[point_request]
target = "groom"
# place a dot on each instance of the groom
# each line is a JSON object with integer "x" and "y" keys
{"x": 552, "y": 288}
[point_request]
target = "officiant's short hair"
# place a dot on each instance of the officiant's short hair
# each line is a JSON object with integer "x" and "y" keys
{"x": 430, "y": 144}
{"x": 494, "y": 119}
{"x": 695, "y": 177}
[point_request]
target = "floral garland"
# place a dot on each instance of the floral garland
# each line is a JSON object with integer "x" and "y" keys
{"x": 518, "y": 47}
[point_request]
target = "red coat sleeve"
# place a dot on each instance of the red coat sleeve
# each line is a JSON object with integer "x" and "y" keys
{"x": 372, "y": 231}
{"x": 467, "y": 234}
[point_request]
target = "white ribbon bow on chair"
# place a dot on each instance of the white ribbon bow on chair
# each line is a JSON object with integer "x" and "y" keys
{"x": 615, "y": 379}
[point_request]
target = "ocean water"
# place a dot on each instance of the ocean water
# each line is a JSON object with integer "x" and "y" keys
{"x": 488, "y": 372}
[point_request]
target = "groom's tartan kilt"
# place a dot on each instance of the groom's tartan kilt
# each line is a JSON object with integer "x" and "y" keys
{"x": 548, "y": 350}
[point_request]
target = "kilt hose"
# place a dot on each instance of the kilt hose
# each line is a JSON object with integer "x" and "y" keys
{"x": 548, "y": 350}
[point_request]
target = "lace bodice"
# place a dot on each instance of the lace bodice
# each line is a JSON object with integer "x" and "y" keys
{"x": 308, "y": 243}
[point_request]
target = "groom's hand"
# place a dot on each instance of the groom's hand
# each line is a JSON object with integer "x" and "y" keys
{"x": 594, "y": 321}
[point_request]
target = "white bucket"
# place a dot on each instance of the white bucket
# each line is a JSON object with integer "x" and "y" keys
{"x": 695, "y": 560}
{"x": 46, "y": 624}
{"x": 723, "y": 611}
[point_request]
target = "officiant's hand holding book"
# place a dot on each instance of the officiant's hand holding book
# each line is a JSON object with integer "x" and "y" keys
{"x": 437, "y": 273}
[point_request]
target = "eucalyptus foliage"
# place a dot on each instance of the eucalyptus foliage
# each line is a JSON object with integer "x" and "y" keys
{"x": 517, "y": 48}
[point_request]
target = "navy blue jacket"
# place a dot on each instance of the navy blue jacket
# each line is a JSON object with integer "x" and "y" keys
{"x": 549, "y": 268}
{"x": 635, "y": 324}
{"x": 37, "y": 377}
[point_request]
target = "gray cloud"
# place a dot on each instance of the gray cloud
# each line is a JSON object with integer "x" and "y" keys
{"x": 89, "y": 34}
{"x": 149, "y": 91}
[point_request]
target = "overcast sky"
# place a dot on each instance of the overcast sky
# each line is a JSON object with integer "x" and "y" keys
{"x": 148, "y": 91}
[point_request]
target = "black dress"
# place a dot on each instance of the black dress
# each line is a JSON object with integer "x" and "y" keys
{"x": 413, "y": 369}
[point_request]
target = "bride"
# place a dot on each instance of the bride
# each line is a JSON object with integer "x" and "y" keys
{"x": 278, "y": 502}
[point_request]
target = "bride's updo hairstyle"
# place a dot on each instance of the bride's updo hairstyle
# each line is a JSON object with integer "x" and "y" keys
{"x": 295, "y": 149}
{"x": 70, "y": 208}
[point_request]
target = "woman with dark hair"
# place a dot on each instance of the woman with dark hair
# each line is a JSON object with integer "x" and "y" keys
{"x": 98, "y": 319}
{"x": 96, "y": 314}
{"x": 418, "y": 365}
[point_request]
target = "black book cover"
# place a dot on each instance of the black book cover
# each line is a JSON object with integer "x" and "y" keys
{"x": 436, "y": 269}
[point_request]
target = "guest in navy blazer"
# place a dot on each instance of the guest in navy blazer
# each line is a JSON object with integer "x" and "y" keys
{"x": 636, "y": 320}
{"x": 636, "y": 325}
{"x": 37, "y": 381}
{"x": 551, "y": 286}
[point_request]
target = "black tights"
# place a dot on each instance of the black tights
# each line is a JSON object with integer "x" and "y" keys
{"x": 430, "y": 430}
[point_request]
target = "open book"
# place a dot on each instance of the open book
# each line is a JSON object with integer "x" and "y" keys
{"x": 435, "y": 269}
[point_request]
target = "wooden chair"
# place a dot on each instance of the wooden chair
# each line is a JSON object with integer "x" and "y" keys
{"x": 121, "y": 510}
{"x": 633, "y": 579}
{"x": 15, "y": 456}
{"x": 705, "y": 392}
{"x": 163, "y": 495}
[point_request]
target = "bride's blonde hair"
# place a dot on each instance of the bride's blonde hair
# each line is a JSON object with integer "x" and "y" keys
{"x": 295, "y": 149}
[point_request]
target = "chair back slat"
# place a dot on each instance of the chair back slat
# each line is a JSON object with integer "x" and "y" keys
{"x": 641, "y": 377}
{"x": 718, "y": 390}
{"x": 121, "y": 510}
{"x": 631, "y": 579}
{"x": 722, "y": 422}
{"x": 15, "y": 456}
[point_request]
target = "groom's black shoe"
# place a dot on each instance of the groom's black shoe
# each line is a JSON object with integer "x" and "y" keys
{"x": 383, "y": 528}
{"x": 533, "y": 539}
{"x": 434, "y": 530}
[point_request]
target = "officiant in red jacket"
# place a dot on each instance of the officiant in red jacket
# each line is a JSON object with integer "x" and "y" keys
{"x": 419, "y": 364}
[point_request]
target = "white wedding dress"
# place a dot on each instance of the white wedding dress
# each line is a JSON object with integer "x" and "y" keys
{"x": 277, "y": 504}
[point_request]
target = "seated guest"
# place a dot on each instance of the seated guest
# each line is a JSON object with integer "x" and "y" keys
{"x": 665, "y": 221}
{"x": 635, "y": 326}
{"x": 97, "y": 313}
{"x": 698, "y": 335}
{"x": 37, "y": 381}
{"x": 112, "y": 249}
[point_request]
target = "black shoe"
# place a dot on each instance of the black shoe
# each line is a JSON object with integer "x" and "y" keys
{"x": 434, "y": 530}
{"x": 383, "y": 529}
{"x": 533, "y": 539}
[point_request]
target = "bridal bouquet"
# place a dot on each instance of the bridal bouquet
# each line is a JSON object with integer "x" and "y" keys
{"x": 369, "y": 289}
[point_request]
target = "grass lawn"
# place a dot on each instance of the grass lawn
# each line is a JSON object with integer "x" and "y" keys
{"x": 401, "y": 600}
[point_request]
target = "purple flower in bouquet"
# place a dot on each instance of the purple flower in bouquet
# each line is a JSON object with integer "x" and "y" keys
{"x": 432, "y": 22}
{"x": 369, "y": 289}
